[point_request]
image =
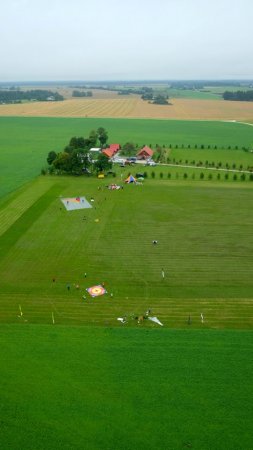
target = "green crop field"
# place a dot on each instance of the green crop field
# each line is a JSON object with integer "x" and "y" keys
{"x": 25, "y": 142}
{"x": 72, "y": 375}
{"x": 204, "y": 94}
{"x": 89, "y": 388}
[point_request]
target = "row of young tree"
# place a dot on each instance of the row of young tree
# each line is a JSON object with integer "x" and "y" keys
{"x": 41, "y": 95}
{"x": 76, "y": 158}
{"x": 203, "y": 176}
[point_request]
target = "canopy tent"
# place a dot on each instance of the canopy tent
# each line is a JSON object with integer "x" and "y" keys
{"x": 130, "y": 179}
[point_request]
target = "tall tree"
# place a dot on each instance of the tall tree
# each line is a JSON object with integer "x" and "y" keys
{"x": 51, "y": 157}
{"x": 102, "y": 136}
{"x": 93, "y": 138}
{"x": 103, "y": 163}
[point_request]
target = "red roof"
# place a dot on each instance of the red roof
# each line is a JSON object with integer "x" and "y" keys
{"x": 108, "y": 152}
{"x": 114, "y": 147}
{"x": 146, "y": 150}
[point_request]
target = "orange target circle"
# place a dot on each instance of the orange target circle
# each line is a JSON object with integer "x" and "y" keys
{"x": 95, "y": 291}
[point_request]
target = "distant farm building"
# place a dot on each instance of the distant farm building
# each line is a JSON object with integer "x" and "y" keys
{"x": 145, "y": 153}
{"x": 107, "y": 152}
{"x": 111, "y": 150}
{"x": 95, "y": 149}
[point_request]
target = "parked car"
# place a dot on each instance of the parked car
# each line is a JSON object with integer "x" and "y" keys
{"x": 132, "y": 159}
{"x": 150, "y": 163}
{"x": 119, "y": 160}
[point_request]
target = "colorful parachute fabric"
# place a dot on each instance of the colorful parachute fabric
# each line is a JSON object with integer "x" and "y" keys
{"x": 96, "y": 291}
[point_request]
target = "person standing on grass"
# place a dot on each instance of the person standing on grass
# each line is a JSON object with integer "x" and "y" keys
{"x": 163, "y": 274}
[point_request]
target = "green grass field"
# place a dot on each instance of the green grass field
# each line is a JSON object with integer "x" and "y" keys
{"x": 188, "y": 93}
{"x": 25, "y": 142}
{"x": 87, "y": 381}
{"x": 205, "y": 247}
{"x": 102, "y": 388}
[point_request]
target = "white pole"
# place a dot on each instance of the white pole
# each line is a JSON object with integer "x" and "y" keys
{"x": 21, "y": 314}
{"x": 53, "y": 318}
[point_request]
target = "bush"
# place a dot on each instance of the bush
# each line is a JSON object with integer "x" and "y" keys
{"x": 169, "y": 175}
{"x": 161, "y": 174}
{"x": 210, "y": 176}
{"x": 234, "y": 177}
{"x": 251, "y": 177}
{"x": 202, "y": 176}
{"x": 185, "y": 176}
{"x": 226, "y": 176}
{"x": 43, "y": 171}
{"x": 218, "y": 176}
{"x": 153, "y": 174}
{"x": 145, "y": 174}
{"x": 243, "y": 177}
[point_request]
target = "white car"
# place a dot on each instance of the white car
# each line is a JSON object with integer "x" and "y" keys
{"x": 119, "y": 160}
{"x": 151, "y": 163}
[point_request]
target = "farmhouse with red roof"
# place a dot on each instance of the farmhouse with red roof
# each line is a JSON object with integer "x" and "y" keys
{"x": 108, "y": 152}
{"x": 111, "y": 150}
{"x": 145, "y": 153}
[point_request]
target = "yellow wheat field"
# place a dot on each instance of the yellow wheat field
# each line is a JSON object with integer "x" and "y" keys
{"x": 134, "y": 107}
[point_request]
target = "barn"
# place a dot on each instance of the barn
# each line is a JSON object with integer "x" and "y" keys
{"x": 145, "y": 153}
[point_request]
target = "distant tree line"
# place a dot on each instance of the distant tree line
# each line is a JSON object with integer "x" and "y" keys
{"x": 76, "y": 159}
{"x": 243, "y": 96}
{"x": 77, "y": 93}
{"x": 17, "y": 96}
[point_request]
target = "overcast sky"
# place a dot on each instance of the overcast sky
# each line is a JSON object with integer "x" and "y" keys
{"x": 126, "y": 39}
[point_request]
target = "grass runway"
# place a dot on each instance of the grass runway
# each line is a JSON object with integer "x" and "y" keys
{"x": 204, "y": 246}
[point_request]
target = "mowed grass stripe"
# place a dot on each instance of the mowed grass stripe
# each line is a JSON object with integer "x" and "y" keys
{"x": 12, "y": 210}
{"x": 66, "y": 308}
{"x": 27, "y": 219}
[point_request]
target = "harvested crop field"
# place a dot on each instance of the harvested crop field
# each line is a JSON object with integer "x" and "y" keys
{"x": 134, "y": 107}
